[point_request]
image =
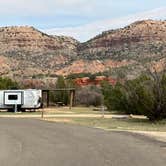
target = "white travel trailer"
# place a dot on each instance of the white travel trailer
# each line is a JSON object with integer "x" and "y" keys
{"x": 20, "y": 100}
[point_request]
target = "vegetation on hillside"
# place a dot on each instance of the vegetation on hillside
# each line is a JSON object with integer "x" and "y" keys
{"x": 7, "y": 83}
{"x": 91, "y": 76}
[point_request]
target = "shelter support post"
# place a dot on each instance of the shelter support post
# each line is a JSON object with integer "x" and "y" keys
{"x": 48, "y": 98}
{"x": 71, "y": 99}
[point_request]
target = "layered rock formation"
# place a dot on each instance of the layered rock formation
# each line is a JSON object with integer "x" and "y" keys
{"x": 28, "y": 53}
{"x": 141, "y": 42}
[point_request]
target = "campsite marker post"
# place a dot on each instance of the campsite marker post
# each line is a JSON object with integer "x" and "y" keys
{"x": 42, "y": 113}
{"x": 102, "y": 109}
{"x": 15, "y": 108}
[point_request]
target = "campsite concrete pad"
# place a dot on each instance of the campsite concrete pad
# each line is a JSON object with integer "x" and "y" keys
{"x": 32, "y": 142}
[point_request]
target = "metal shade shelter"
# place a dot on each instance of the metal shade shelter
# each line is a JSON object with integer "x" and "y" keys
{"x": 46, "y": 92}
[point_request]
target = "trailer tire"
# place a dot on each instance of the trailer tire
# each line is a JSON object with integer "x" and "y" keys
{"x": 23, "y": 110}
{"x": 10, "y": 110}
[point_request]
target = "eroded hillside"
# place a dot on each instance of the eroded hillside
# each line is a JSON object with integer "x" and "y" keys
{"x": 27, "y": 53}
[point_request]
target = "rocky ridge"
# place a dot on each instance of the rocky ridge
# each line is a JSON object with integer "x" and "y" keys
{"x": 26, "y": 52}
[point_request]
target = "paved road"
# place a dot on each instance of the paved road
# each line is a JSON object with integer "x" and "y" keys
{"x": 30, "y": 142}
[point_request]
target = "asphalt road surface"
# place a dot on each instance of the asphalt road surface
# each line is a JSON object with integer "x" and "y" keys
{"x": 30, "y": 142}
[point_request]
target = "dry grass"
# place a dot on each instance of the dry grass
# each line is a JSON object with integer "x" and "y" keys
{"x": 64, "y": 120}
{"x": 117, "y": 124}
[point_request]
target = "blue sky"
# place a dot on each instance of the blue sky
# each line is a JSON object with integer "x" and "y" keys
{"x": 60, "y": 16}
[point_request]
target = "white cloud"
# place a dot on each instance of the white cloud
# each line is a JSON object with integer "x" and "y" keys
{"x": 43, "y": 7}
{"x": 22, "y": 7}
{"x": 88, "y": 31}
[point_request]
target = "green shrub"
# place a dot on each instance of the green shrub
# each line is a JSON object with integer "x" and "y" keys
{"x": 145, "y": 95}
{"x": 7, "y": 83}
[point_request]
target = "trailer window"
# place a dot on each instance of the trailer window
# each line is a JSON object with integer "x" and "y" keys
{"x": 12, "y": 97}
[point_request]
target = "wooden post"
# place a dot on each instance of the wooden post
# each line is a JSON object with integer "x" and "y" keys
{"x": 102, "y": 110}
{"x": 71, "y": 99}
{"x": 48, "y": 98}
{"x": 74, "y": 96}
{"x": 42, "y": 115}
{"x": 15, "y": 108}
{"x": 43, "y": 97}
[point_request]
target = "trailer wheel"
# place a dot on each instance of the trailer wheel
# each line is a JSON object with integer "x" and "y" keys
{"x": 10, "y": 110}
{"x": 23, "y": 110}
